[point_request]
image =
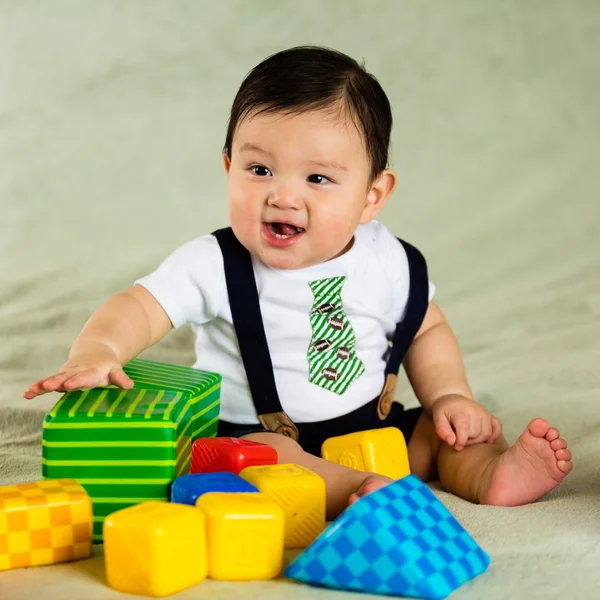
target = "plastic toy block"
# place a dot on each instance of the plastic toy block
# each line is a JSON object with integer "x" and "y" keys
{"x": 44, "y": 522}
{"x": 301, "y": 495}
{"x": 188, "y": 488}
{"x": 127, "y": 446}
{"x": 245, "y": 534}
{"x": 399, "y": 540}
{"x": 155, "y": 548}
{"x": 381, "y": 451}
{"x": 229, "y": 454}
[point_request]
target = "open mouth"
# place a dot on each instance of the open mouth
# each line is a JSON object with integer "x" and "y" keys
{"x": 282, "y": 235}
{"x": 284, "y": 230}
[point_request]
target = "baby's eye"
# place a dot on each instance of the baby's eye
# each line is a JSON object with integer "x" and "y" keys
{"x": 260, "y": 171}
{"x": 318, "y": 179}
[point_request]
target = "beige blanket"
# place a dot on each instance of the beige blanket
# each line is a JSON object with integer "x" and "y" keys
{"x": 112, "y": 116}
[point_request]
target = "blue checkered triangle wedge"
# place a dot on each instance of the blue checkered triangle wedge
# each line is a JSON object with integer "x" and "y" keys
{"x": 399, "y": 540}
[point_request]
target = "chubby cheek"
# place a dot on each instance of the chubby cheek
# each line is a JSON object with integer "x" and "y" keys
{"x": 332, "y": 232}
{"x": 244, "y": 211}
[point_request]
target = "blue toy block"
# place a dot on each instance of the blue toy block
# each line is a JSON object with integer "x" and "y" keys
{"x": 188, "y": 488}
{"x": 399, "y": 540}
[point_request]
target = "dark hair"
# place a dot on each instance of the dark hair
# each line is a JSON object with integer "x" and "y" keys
{"x": 312, "y": 78}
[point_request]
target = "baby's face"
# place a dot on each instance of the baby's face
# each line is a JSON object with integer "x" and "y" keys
{"x": 298, "y": 187}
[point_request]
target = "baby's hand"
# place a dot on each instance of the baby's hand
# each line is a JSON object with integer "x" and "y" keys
{"x": 460, "y": 422}
{"x": 85, "y": 371}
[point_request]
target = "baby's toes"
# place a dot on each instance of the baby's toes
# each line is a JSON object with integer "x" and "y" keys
{"x": 368, "y": 486}
{"x": 371, "y": 486}
{"x": 552, "y": 434}
{"x": 563, "y": 458}
{"x": 558, "y": 444}
{"x": 353, "y": 498}
{"x": 564, "y": 466}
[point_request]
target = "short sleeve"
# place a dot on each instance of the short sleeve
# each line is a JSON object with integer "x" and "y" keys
{"x": 431, "y": 290}
{"x": 189, "y": 284}
{"x": 395, "y": 262}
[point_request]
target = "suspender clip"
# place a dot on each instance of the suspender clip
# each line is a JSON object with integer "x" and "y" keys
{"x": 280, "y": 423}
{"x": 384, "y": 406}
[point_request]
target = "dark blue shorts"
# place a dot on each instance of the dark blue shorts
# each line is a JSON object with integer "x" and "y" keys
{"x": 312, "y": 435}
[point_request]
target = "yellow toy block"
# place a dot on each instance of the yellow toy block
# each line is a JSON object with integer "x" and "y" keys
{"x": 155, "y": 548}
{"x": 245, "y": 533}
{"x": 44, "y": 522}
{"x": 301, "y": 495}
{"x": 382, "y": 451}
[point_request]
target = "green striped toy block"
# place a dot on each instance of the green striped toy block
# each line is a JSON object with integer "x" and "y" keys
{"x": 126, "y": 446}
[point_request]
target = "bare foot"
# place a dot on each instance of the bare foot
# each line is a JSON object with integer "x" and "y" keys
{"x": 370, "y": 483}
{"x": 538, "y": 462}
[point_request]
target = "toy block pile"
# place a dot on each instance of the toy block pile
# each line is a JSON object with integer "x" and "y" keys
{"x": 127, "y": 446}
{"x": 230, "y": 519}
{"x": 217, "y": 524}
{"x": 175, "y": 505}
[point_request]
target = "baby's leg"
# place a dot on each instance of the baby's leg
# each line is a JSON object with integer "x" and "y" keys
{"x": 341, "y": 482}
{"x": 495, "y": 473}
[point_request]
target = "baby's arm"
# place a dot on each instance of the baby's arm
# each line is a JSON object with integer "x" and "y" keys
{"x": 436, "y": 371}
{"x": 119, "y": 330}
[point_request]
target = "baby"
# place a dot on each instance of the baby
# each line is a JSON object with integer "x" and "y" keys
{"x": 297, "y": 303}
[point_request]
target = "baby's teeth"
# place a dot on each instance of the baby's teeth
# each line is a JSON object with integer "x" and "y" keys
{"x": 284, "y": 236}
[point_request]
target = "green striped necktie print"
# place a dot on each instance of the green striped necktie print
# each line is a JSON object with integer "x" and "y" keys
{"x": 332, "y": 360}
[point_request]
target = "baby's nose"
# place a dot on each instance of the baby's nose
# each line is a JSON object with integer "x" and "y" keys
{"x": 285, "y": 197}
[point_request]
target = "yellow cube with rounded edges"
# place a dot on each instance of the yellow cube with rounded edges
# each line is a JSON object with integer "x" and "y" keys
{"x": 382, "y": 451}
{"x": 244, "y": 533}
{"x": 155, "y": 548}
{"x": 301, "y": 495}
{"x": 44, "y": 522}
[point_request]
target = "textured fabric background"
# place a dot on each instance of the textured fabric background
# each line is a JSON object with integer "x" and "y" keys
{"x": 112, "y": 119}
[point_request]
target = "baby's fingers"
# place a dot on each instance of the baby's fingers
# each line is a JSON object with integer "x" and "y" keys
{"x": 496, "y": 430}
{"x": 36, "y": 389}
{"x": 486, "y": 428}
{"x": 87, "y": 379}
{"x": 48, "y": 384}
{"x": 56, "y": 382}
{"x": 443, "y": 428}
{"x": 481, "y": 430}
{"x": 461, "y": 426}
{"x": 118, "y": 377}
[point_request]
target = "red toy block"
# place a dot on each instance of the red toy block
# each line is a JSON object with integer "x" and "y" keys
{"x": 212, "y": 455}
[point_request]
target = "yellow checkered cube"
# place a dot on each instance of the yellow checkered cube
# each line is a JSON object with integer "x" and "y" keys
{"x": 382, "y": 451}
{"x": 44, "y": 522}
{"x": 301, "y": 495}
{"x": 245, "y": 533}
{"x": 155, "y": 548}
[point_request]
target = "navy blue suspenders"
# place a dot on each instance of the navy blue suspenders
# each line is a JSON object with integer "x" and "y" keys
{"x": 250, "y": 331}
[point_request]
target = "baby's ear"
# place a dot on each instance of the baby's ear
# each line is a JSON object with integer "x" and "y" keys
{"x": 377, "y": 197}
{"x": 226, "y": 162}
